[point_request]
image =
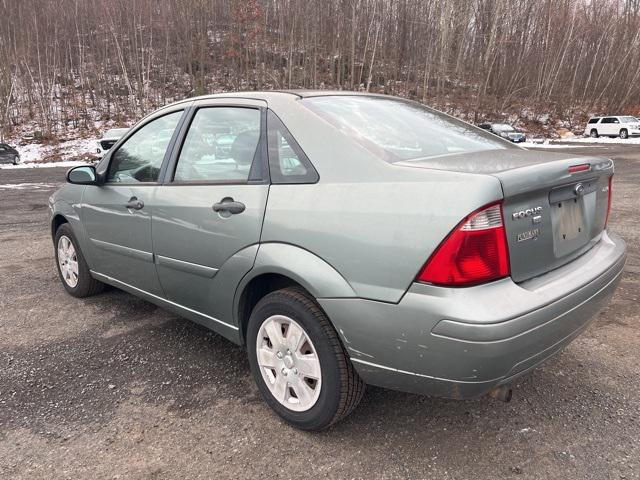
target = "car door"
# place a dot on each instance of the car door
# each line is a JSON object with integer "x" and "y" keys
{"x": 208, "y": 213}
{"x": 608, "y": 126}
{"x": 116, "y": 214}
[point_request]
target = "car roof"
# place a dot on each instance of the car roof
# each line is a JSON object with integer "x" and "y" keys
{"x": 293, "y": 94}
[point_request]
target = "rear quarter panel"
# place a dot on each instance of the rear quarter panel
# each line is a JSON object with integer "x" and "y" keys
{"x": 375, "y": 223}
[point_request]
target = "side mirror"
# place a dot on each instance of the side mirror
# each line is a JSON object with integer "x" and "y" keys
{"x": 82, "y": 175}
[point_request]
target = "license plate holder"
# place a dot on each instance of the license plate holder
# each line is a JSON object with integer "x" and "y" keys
{"x": 569, "y": 220}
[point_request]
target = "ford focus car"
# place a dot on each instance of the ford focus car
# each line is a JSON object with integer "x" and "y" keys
{"x": 346, "y": 239}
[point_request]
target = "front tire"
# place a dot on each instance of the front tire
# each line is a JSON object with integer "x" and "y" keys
{"x": 624, "y": 133}
{"x": 593, "y": 133}
{"x": 72, "y": 267}
{"x": 298, "y": 361}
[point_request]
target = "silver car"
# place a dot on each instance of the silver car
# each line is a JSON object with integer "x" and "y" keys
{"x": 346, "y": 240}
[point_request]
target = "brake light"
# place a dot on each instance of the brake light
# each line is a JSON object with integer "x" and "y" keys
{"x": 580, "y": 168}
{"x": 474, "y": 252}
{"x": 606, "y": 219}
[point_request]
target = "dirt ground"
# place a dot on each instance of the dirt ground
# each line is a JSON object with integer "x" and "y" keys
{"x": 113, "y": 387}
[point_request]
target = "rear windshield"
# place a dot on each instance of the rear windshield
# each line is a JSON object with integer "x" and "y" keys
{"x": 398, "y": 130}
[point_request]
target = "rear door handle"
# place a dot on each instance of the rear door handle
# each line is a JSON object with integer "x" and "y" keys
{"x": 134, "y": 204}
{"x": 227, "y": 204}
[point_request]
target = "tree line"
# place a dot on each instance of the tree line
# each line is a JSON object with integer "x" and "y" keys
{"x": 71, "y": 62}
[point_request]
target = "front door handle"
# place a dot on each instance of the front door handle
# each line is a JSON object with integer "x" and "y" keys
{"x": 134, "y": 204}
{"x": 227, "y": 204}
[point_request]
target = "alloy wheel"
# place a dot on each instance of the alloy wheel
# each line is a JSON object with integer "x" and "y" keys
{"x": 68, "y": 261}
{"x": 289, "y": 363}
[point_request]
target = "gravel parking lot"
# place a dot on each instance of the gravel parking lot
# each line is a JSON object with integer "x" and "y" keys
{"x": 114, "y": 387}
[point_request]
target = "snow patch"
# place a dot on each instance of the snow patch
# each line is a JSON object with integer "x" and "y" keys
{"x": 548, "y": 145}
{"x": 616, "y": 140}
{"x": 44, "y": 165}
{"x": 68, "y": 153}
{"x": 27, "y": 186}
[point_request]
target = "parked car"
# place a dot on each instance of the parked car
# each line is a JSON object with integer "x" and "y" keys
{"x": 623, "y": 126}
{"x": 9, "y": 154}
{"x": 347, "y": 239}
{"x": 109, "y": 139}
{"x": 505, "y": 131}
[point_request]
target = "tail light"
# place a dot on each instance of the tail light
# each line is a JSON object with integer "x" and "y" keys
{"x": 474, "y": 252}
{"x": 606, "y": 219}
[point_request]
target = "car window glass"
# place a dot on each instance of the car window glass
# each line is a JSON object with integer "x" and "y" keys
{"x": 610, "y": 120}
{"x": 140, "y": 157}
{"x": 220, "y": 145}
{"x": 594, "y": 120}
{"x": 397, "y": 130}
{"x": 287, "y": 161}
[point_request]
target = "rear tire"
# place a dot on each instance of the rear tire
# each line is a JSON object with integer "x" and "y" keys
{"x": 72, "y": 267}
{"x": 593, "y": 133}
{"x": 279, "y": 362}
{"x": 624, "y": 133}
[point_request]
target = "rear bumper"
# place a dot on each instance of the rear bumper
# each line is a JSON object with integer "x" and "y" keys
{"x": 460, "y": 343}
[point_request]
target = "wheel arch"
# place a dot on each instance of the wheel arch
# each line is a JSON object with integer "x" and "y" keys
{"x": 57, "y": 220}
{"x": 279, "y": 266}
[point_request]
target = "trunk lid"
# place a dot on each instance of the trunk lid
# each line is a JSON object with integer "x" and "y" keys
{"x": 553, "y": 211}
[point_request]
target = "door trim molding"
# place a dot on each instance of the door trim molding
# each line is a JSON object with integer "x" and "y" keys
{"x": 187, "y": 267}
{"x": 121, "y": 250}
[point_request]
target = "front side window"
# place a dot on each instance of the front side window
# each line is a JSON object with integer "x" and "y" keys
{"x": 139, "y": 158}
{"x": 397, "y": 130}
{"x": 220, "y": 145}
{"x": 610, "y": 120}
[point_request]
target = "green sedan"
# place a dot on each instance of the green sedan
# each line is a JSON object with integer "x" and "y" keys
{"x": 346, "y": 239}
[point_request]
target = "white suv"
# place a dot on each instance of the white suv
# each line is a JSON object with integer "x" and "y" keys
{"x": 622, "y": 126}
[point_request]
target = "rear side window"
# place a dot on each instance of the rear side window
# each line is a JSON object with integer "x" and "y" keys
{"x": 220, "y": 145}
{"x": 397, "y": 130}
{"x": 593, "y": 120}
{"x": 139, "y": 158}
{"x": 287, "y": 162}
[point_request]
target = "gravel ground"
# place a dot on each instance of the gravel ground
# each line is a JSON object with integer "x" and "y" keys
{"x": 114, "y": 387}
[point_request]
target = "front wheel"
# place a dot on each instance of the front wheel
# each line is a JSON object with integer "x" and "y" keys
{"x": 624, "y": 133}
{"x": 299, "y": 363}
{"x": 72, "y": 267}
{"x": 16, "y": 160}
{"x": 593, "y": 133}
